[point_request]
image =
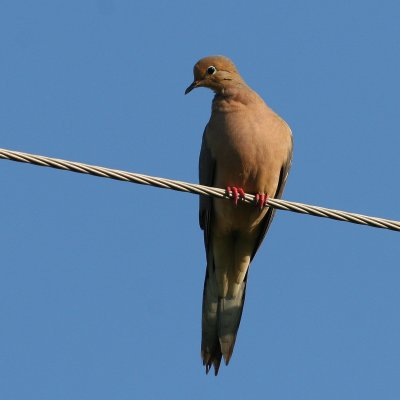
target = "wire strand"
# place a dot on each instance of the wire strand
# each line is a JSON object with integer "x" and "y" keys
{"x": 196, "y": 189}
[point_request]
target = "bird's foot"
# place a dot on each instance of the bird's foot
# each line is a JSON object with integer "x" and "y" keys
{"x": 236, "y": 193}
{"x": 261, "y": 199}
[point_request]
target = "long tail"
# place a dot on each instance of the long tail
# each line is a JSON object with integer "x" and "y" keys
{"x": 220, "y": 322}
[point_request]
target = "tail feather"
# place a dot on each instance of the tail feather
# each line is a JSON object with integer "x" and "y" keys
{"x": 229, "y": 316}
{"x": 210, "y": 349}
{"x": 220, "y": 322}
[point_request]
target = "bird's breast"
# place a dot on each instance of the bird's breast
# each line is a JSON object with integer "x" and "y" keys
{"x": 245, "y": 150}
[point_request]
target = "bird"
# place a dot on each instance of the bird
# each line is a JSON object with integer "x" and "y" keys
{"x": 246, "y": 148}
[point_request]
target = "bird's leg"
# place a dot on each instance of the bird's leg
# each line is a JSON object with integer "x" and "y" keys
{"x": 236, "y": 193}
{"x": 261, "y": 199}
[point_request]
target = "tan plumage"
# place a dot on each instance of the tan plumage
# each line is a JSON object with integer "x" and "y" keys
{"x": 245, "y": 145}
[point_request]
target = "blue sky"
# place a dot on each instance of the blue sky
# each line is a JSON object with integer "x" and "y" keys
{"x": 101, "y": 281}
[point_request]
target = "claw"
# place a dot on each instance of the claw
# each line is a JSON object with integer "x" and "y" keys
{"x": 261, "y": 200}
{"x": 236, "y": 193}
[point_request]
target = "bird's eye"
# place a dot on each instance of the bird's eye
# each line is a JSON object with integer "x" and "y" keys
{"x": 211, "y": 70}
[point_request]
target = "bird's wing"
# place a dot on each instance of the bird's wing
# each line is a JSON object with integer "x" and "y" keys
{"x": 284, "y": 172}
{"x": 207, "y": 166}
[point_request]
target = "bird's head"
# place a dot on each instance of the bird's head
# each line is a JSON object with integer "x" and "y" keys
{"x": 215, "y": 73}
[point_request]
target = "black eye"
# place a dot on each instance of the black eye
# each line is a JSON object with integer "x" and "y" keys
{"x": 211, "y": 70}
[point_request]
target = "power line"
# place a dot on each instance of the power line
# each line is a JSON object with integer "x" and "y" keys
{"x": 195, "y": 188}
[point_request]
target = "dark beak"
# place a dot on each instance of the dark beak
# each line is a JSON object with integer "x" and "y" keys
{"x": 192, "y": 86}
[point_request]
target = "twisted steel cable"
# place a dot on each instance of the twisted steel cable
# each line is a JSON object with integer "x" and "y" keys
{"x": 195, "y": 188}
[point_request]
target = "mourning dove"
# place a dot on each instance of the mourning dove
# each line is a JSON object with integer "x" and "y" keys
{"x": 246, "y": 147}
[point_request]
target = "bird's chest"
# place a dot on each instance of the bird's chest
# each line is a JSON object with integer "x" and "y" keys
{"x": 241, "y": 150}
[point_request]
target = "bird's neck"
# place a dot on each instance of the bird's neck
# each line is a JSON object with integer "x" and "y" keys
{"x": 233, "y": 97}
